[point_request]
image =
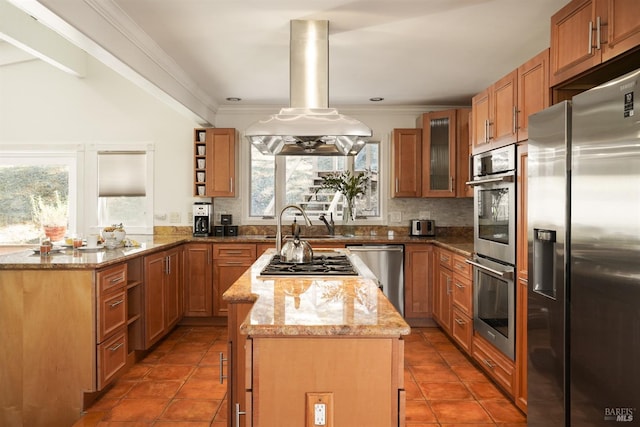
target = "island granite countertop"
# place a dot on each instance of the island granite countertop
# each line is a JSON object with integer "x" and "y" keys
{"x": 320, "y": 306}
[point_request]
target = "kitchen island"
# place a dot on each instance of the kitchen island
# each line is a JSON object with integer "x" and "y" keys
{"x": 301, "y": 341}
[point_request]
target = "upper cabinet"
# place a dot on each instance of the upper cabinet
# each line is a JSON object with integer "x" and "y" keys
{"x": 500, "y": 113}
{"x": 533, "y": 91}
{"x": 407, "y": 163}
{"x": 586, "y": 33}
{"x": 215, "y": 162}
{"x": 445, "y": 153}
{"x": 494, "y": 113}
{"x": 433, "y": 159}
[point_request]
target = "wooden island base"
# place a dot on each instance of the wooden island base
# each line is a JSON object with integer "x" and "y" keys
{"x": 363, "y": 376}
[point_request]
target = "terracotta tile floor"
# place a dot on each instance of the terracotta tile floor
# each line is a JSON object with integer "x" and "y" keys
{"x": 177, "y": 385}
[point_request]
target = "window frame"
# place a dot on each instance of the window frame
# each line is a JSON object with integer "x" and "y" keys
{"x": 245, "y": 187}
{"x": 91, "y": 185}
{"x": 73, "y": 153}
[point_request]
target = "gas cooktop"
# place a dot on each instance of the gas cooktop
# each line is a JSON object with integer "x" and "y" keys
{"x": 320, "y": 265}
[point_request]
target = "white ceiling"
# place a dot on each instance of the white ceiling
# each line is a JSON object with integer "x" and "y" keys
{"x": 410, "y": 52}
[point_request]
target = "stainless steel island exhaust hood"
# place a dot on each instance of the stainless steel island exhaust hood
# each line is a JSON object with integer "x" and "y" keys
{"x": 309, "y": 126}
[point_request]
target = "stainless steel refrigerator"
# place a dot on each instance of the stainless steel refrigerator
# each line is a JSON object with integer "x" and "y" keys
{"x": 584, "y": 259}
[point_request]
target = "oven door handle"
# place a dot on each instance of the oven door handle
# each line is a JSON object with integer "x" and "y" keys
{"x": 504, "y": 178}
{"x": 502, "y": 274}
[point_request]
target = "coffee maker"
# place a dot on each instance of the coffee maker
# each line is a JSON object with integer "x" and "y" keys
{"x": 202, "y": 219}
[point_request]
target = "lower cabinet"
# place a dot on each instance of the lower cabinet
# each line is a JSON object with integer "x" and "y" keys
{"x": 111, "y": 339}
{"x": 328, "y": 369}
{"x": 229, "y": 262}
{"x": 198, "y": 280}
{"x": 163, "y": 293}
{"x": 236, "y": 365}
{"x": 442, "y": 307}
{"x": 497, "y": 365}
{"x": 418, "y": 277}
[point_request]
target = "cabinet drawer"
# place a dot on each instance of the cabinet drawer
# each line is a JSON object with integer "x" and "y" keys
{"x": 112, "y": 278}
{"x": 112, "y": 313}
{"x": 112, "y": 356}
{"x": 460, "y": 266}
{"x": 499, "y": 367}
{"x": 462, "y": 329}
{"x": 463, "y": 294}
{"x": 234, "y": 251}
{"x": 445, "y": 258}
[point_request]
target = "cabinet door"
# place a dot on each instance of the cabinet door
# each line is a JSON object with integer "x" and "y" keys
{"x": 407, "y": 163}
{"x": 418, "y": 281}
{"x": 198, "y": 283}
{"x": 221, "y": 162}
{"x": 445, "y": 283}
{"x": 463, "y": 153}
{"x": 225, "y": 273}
{"x": 480, "y": 120}
{"x": 533, "y": 90}
{"x": 439, "y": 154}
{"x": 622, "y": 27}
{"x": 572, "y": 48}
{"x": 502, "y": 127}
{"x": 173, "y": 300}
{"x": 154, "y": 272}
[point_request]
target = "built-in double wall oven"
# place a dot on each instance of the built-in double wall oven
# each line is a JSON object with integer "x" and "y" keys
{"x": 494, "y": 176}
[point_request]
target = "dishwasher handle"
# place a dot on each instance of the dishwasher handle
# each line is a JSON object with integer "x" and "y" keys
{"x": 369, "y": 248}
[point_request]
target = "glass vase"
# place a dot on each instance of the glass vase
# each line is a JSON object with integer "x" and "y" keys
{"x": 348, "y": 218}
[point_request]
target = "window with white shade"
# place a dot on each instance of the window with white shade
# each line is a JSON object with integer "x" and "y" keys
{"x": 123, "y": 187}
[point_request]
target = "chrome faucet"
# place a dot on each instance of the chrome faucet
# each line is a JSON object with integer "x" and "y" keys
{"x": 331, "y": 227}
{"x": 279, "y": 225}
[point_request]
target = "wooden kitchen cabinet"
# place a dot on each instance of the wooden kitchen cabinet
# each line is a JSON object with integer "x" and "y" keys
{"x": 500, "y": 114}
{"x": 359, "y": 398}
{"x": 495, "y": 364}
{"x": 418, "y": 283}
{"x": 445, "y": 153}
{"x": 198, "y": 280}
{"x": 443, "y": 308}
{"x": 586, "y": 33}
{"x": 237, "y": 365}
{"x": 453, "y": 308}
{"x": 163, "y": 301}
{"x": 533, "y": 91}
{"x": 406, "y": 163}
{"x": 229, "y": 262}
{"x": 111, "y": 339}
{"x": 494, "y": 112}
{"x": 522, "y": 274}
{"x": 215, "y": 162}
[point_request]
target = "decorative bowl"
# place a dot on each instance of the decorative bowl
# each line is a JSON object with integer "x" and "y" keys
{"x": 110, "y": 234}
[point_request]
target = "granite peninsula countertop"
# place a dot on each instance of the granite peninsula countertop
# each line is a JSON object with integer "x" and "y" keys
{"x": 25, "y": 258}
{"x": 314, "y": 306}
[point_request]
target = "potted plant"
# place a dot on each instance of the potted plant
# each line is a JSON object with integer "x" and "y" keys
{"x": 350, "y": 186}
{"x": 52, "y": 217}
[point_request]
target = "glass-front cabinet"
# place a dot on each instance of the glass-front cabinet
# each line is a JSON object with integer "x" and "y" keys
{"x": 445, "y": 153}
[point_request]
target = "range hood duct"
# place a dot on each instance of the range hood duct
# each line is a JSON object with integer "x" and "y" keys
{"x": 308, "y": 126}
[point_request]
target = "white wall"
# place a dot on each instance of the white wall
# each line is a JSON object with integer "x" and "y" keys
{"x": 41, "y": 104}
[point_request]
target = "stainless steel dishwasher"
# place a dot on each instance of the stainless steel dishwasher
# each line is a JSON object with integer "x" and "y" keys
{"x": 386, "y": 262}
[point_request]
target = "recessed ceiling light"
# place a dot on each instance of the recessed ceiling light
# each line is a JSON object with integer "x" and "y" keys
{"x": 234, "y": 99}
{"x": 376, "y": 99}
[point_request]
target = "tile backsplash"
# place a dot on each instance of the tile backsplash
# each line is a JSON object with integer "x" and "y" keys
{"x": 446, "y": 212}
